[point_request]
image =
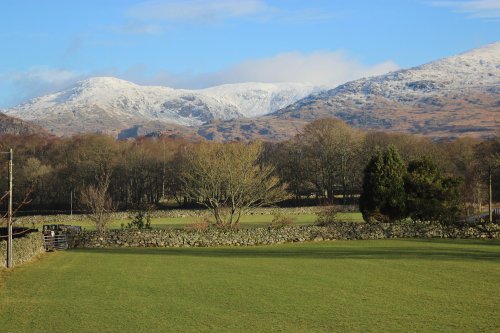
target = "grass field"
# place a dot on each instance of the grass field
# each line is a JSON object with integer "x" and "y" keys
{"x": 342, "y": 286}
{"x": 247, "y": 221}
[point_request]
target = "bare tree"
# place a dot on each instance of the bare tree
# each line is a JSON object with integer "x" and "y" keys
{"x": 97, "y": 203}
{"x": 228, "y": 180}
{"x": 333, "y": 151}
{"x": 29, "y": 175}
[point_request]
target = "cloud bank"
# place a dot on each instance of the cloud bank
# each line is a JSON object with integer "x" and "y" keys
{"x": 198, "y": 10}
{"x": 36, "y": 81}
{"x": 320, "y": 68}
{"x": 481, "y": 9}
{"x": 152, "y": 17}
{"x": 325, "y": 68}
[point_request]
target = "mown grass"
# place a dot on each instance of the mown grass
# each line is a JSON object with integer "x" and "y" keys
{"x": 342, "y": 286}
{"x": 247, "y": 221}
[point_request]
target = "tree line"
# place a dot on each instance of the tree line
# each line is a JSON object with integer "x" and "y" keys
{"x": 323, "y": 164}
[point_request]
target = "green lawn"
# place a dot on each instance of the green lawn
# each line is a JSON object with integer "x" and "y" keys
{"x": 342, "y": 286}
{"x": 247, "y": 221}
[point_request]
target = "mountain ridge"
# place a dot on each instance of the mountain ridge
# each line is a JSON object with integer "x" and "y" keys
{"x": 449, "y": 97}
{"x": 120, "y": 104}
{"x": 446, "y": 97}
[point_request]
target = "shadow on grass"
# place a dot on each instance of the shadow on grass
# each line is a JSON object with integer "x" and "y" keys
{"x": 424, "y": 252}
{"x": 482, "y": 242}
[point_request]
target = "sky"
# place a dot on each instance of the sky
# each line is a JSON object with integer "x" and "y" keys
{"x": 49, "y": 45}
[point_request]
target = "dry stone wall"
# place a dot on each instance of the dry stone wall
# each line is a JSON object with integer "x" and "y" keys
{"x": 261, "y": 236}
{"x": 194, "y": 213}
{"x": 24, "y": 249}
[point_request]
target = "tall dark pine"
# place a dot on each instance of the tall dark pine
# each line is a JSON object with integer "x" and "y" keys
{"x": 383, "y": 198}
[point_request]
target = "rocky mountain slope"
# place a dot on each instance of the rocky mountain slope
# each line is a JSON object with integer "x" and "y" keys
{"x": 448, "y": 97}
{"x": 107, "y": 104}
{"x": 14, "y": 126}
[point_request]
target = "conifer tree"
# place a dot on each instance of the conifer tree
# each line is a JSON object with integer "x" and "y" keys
{"x": 431, "y": 196}
{"x": 383, "y": 198}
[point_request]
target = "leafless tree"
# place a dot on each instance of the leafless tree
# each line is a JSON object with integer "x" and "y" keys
{"x": 228, "y": 180}
{"x": 97, "y": 203}
{"x": 333, "y": 150}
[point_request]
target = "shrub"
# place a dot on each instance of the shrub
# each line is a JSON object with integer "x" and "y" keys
{"x": 281, "y": 220}
{"x": 200, "y": 225}
{"x": 327, "y": 216}
{"x": 142, "y": 219}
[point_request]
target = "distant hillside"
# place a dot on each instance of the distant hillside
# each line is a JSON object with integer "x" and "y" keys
{"x": 454, "y": 96}
{"x": 14, "y": 126}
{"x": 230, "y": 130}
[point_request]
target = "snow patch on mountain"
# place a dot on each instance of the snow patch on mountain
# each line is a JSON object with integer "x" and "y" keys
{"x": 475, "y": 70}
{"x": 132, "y": 103}
{"x": 257, "y": 99}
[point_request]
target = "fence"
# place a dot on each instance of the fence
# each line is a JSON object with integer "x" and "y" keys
{"x": 56, "y": 242}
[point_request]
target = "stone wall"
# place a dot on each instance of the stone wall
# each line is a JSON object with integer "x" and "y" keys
{"x": 258, "y": 236}
{"x": 24, "y": 248}
{"x": 195, "y": 213}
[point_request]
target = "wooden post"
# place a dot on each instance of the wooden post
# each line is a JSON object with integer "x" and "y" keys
{"x": 9, "y": 214}
{"x": 490, "y": 212}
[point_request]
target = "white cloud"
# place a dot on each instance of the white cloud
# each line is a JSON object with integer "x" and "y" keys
{"x": 205, "y": 12}
{"x": 320, "y": 68}
{"x": 42, "y": 74}
{"x": 483, "y": 9}
{"x": 37, "y": 81}
{"x": 136, "y": 28}
{"x": 198, "y": 10}
{"x": 306, "y": 15}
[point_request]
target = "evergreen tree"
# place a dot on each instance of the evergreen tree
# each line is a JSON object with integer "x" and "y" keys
{"x": 431, "y": 196}
{"x": 370, "y": 200}
{"x": 383, "y": 198}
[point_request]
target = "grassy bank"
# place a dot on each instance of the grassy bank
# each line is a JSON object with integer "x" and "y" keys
{"x": 365, "y": 286}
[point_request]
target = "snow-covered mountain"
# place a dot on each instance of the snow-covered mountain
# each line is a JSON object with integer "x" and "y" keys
{"x": 458, "y": 94}
{"x": 257, "y": 99}
{"x": 109, "y": 104}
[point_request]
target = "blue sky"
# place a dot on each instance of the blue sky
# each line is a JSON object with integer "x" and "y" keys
{"x": 49, "y": 45}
